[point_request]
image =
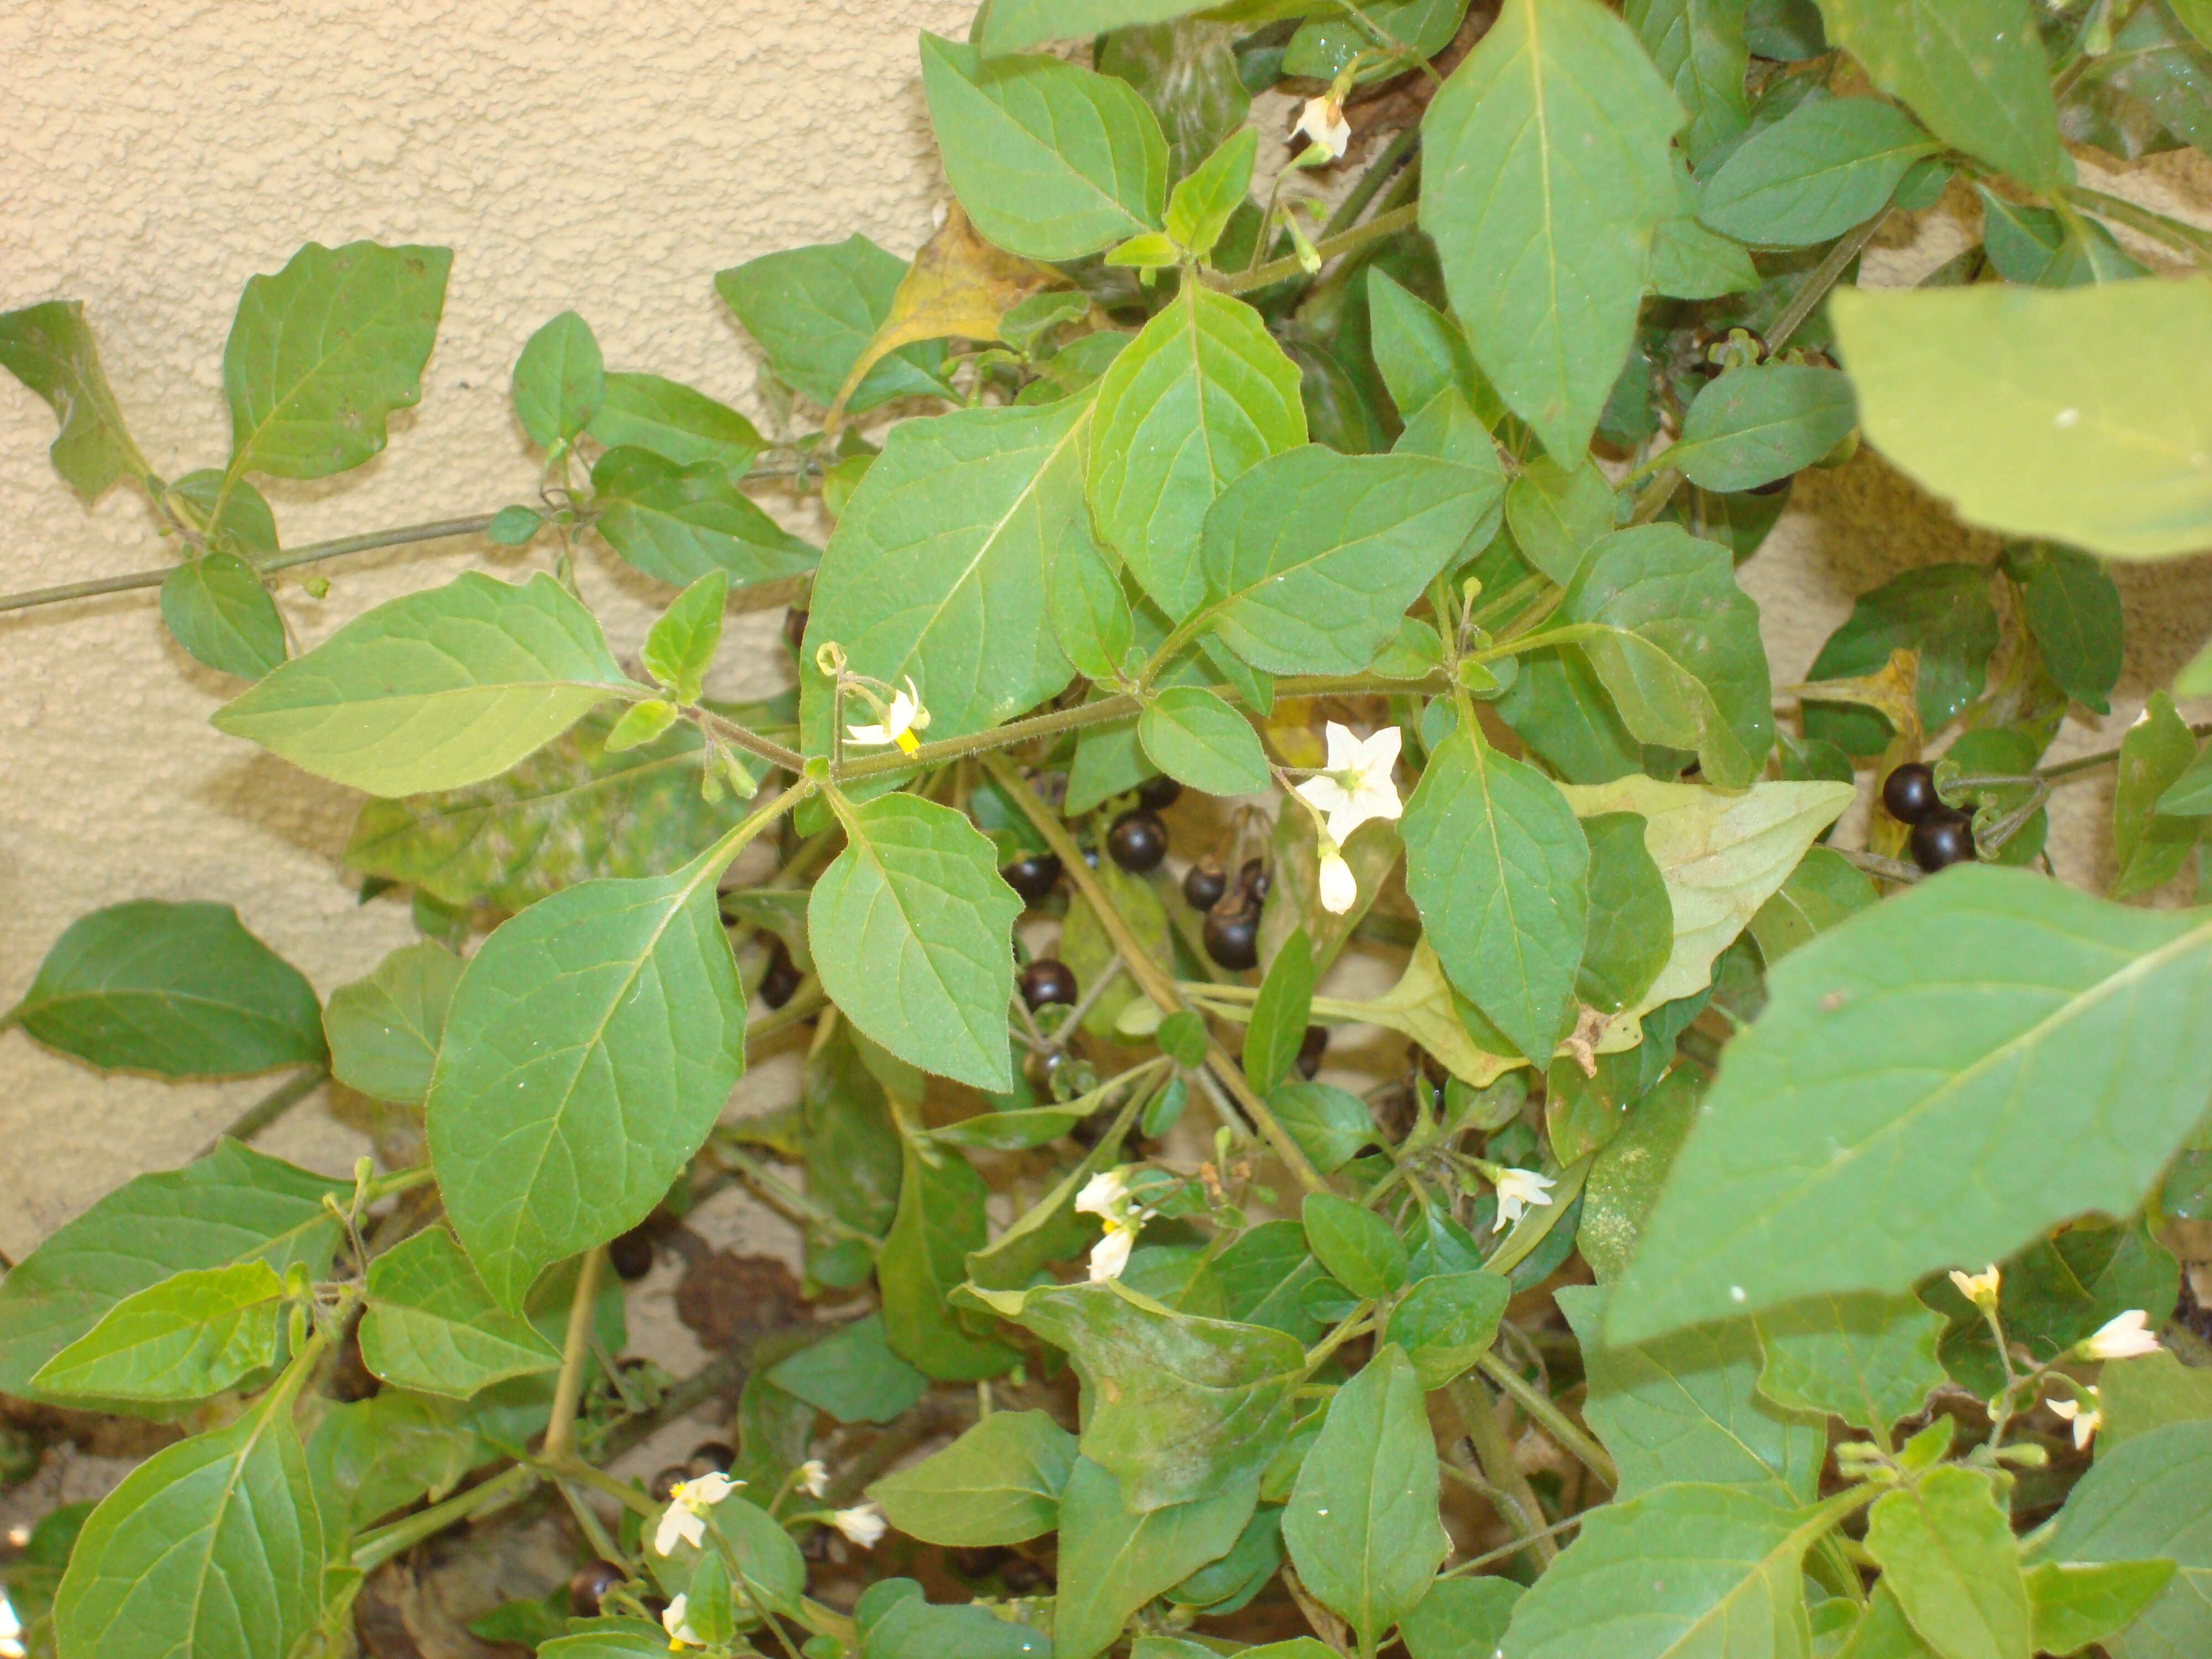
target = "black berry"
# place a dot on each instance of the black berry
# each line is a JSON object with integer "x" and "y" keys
{"x": 1138, "y": 840}
{"x": 781, "y": 983}
{"x": 1310, "y": 1050}
{"x": 590, "y": 1583}
{"x": 1204, "y": 883}
{"x": 632, "y": 1254}
{"x": 1232, "y": 936}
{"x": 1047, "y": 980}
{"x": 1032, "y": 876}
{"x": 1909, "y": 793}
{"x": 1159, "y": 793}
{"x": 665, "y": 1482}
{"x": 711, "y": 1457}
{"x": 794, "y": 628}
{"x": 1040, "y": 1067}
{"x": 1943, "y": 838}
{"x": 1255, "y": 879}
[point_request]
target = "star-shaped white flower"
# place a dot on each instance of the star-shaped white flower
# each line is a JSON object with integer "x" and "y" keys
{"x": 1111, "y": 1254}
{"x": 1981, "y": 1288}
{"x": 1323, "y": 121}
{"x": 1516, "y": 1190}
{"x": 1340, "y": 888}
{"x": 863, "y": 1525}
{"x": 684, "y": 1518}
{"x": 1357, "y": 785}
{"x": 2125, "y": 1338}
{"x": 814, "y": 1477}
{"x": 676, "y": 1620}
{"x": 1106, "y": 1193}
{"x": 905, "y": 717}
{"x": 2086, "y": 1420}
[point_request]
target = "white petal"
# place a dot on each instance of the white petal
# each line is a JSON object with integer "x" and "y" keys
{"x": 1345, "y": 747}
{"x": 1104, "y": 1194}
{"x": 709, "y": 1489}
{"x": 1325, "y": 795}
{"x": 863, "y": 1525}
{"x": 2124, "y": 1337}
{"x": 1111, "y": 1254}
{"x": 814, "y": 1477}
{"x": 1340, "y": 888}
{"x": 867, "y": 734}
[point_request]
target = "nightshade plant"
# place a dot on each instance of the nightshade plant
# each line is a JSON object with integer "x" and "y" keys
{"x": 1725, "y": 1242}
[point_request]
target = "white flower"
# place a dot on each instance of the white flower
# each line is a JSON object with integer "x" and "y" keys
{"x": 863, "y": 1525}
{"x": 1323, "y": 121}
{"x": 1519, "y": 1188}
{"x": 907, "y": 716}
{"x": 2121, "y": 1339}
{"x": 1340, "y": 888}
{"x": 687, "y": 1504}
{"x": 1981, "y": 1288}
{"x": 675, "y": 1620}
{"x": 814, "y": 1477}
{"x": 1111, "y": 1254}
{"x": 1106, "y": 1193}
{"x": 2086, "y": 1420}
{"x": 1357, "y": 785}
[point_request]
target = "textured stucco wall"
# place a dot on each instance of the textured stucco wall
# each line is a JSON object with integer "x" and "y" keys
{"x": 574, "y": 153}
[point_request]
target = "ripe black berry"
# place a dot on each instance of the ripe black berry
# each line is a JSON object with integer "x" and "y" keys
{"x": 1138, "y": 840}
{"x": 1048, "y": 980}
{"x": 1159, "y": 793}
{"x": 1232, "y": 936}
{"x": 1311, "y": 1051}
{"x": 632, "y": 1254}
{"x": 1032, "y": 876}
{"x": 781, "y": 983}
{"x": 1205, "y": 882}
{"x": 1943, "y": 838}
{"x": 1255, "y": 879}
{"x": 711, "y": 1457}
{"x": 1909, "y": 793}
{"x": 591, "y": 1582}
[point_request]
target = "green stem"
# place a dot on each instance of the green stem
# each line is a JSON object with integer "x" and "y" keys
{"x": 1346, "y": 1327}
{"x": 575, "y": 1349}
{"x": 1378, "y": 175}
{"x": 1824, "y": 277}
{"x": 372, "y": 1549}
{"x": 1494, "y": 1452}
{"x": 1556, "y": 1423}
{"x": 2191, "y": 239}
{"x": 1382, "y": 226}
{"x": 399, "y": 1180}
{"x": 271, "y": 1106}
{"x": 786, "y": 1197}
{"x": 2086, "y": 763}
{"x": 775, "y": 753}
{"x": 568, "y": 1467}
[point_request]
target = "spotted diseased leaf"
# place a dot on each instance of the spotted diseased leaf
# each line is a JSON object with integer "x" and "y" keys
{"x": 50, "y": 349}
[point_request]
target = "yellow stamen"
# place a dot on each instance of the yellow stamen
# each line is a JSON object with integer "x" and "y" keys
{"x": 907, "y": 743}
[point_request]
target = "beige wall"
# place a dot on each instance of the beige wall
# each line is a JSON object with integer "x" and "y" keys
{"x": 574, "y": 153}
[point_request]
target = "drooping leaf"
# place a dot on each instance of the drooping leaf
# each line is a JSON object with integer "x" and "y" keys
{"x": 1756, "y": 425}
{"x": 1869, "y": 1360}
{"x": 1544, "y": 172}
{"x": 1200, "y": 397}
{"x": 2044, "y": 412}
{"x": 1698, "y": 46}
{"x": 896, "y": 1622}
{"x": 1828, "y": 165}
{"x": 2073, "y": 610}
{"x": 1421, "y": 353}
{"x": 852, "y": 1375}
{"x": 2148, "y": 1499}
{"x": 1188, "y": 71}
{"x": 1051, "y": 161}
{"x": 1946, "y": 1553}
{"x": 179, "y": 990}
{"x": 216, "y": 608}
{"x": 1631, "y": 919}
{"x": 1012, "y": 25}
{"x": 434, "y": 690}
{"x": 646, "y": 411}
{"x": 682, "y": 523}
{"x": 1558, "y": 513}
{"x": 431, "y": 1325}
{"x": 1114, "y": 1559}
{"x": 559, "y": 381}
{"x": 320, "y": 354}
{"x": 190, "y": 1336}
{"x": 1930, "y": 1021}
{"x": 1000, "y": 1483}
{"x": 50, "y": 349}
{"x": 591, "y": 1044}
{"x": 2035, "y": 247}
{"x": 814, "y": 309}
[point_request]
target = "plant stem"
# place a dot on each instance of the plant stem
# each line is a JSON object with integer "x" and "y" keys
{"x": 775, "y": 753}
{"x": 1555, "y": 1422}
{"x": 1379, "y": 228}
{"x": 271, "y": 1106}
{"x": 1874, "y": 865}
{"x": 2091, "y": 762}
{"x": 1824, "y": 277}
{"x": 2191, "y": 239}
{"x": 1155, "y": 981}
{"x": 374, "y": 1548}
{"x": 1520, "y": 1509}
{"x": 785, "y": 1197}
{"x": 1378, "y": 173}
{"x": 575, "y": 1349}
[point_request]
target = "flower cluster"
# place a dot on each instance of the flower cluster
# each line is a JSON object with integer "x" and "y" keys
{"x": 1355, "y": 786}
{"x": 685, "y": 1520}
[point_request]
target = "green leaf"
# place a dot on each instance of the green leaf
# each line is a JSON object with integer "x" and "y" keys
{"x": 645, "y": 411}
{"x": 238, "y": 521}
{"x": 2055, "y": 1292}
{"x": 1828, "y": 165}
{"x": 179, "y": 990}
{"x": 1822, "y": 890}
{"x": 911, "y": 929}
{"x": 940, "y": 1223}
{"x": 1000, "y": 1483}
{"x": 2147, "y": 1498}
{"x": 2077, "y": 1602}
{"x": 1684, "y": 1571}
{"x": 1201, "y": 205}
{"x": 1632, "y": 920}
{"x": 2137, "y": 1395}
{"x": 433, "y": 1327}
{"x": 212, "y": 1547}
{"x": 1191, "y": 75}
{"x": 1557, "y": 515}
{"x": 1626, "y": 1179}
{"x": 1422, "y": 353}
{"x": 1946, "y": 1550}
{"x": 680, "y": 523}
{"x": 1050, "y": 160}
{"x": 369, "y": 1457}
{"x": 1089, "y": 614}
{"x": 1689, "y": 262}
{"x": 1676, "y": 643}
{"x": 570, "y": 812}
{"x": 815, "y": 309}
{"x": 1200, "y": 397}
{"x": 322, "y": 352}
{"x": 2044, "y": 412}
{"x": 2035, "y": 246}
{"x": 434, "y": 690}
{"x": 1941, "y": 611}
{"x": 1223, "y": 1587}
{"x": 1884, "y": 1632}
{"x": 939, "y": 568}
{"x": 1194, "y": 736}
{"x": 1329, "y": 1125}
{"x": 1461, "y": 1619}
{"x": 1898, "y": 1059}
{"x": 681, "y": 646}
{"x": 1869, "y": 1360}
{"x": 2073, "y": 610}
{"x": 1113, "y": 1558}
{"x": 1355, "y": 1245}
{"x": 1010, "y": 25}
{"x": 1264, "y": 1276}
{"x": 1447, "y": 1321}
{"x": 896, "y": 1622}
{"x": 1698, "y": 47}
{"x": 1497, "y": 865}
{"x": 559, "y": 381}
{"x": 1974, "y": 70}
{"x": 385, "y": 1029}
{"x": 767, "y": 1559}
{"x": 1311, "y": 558}
{"x": 1756, "y": 425}
{"x": 2148, "y": 845}
{"x": 1361, "y": 1524}
{"x": 217, "y": 610}
{"x": 1687, "y": 1408}
{"x": 233, "y": 1205}
{"x": 193, "y": 1335}
{"x": 50, "y": 349}
{"x": 1280, "y": 1014}
{"x": 591, "y": 1044}
{"x": 641, "y": 723}
{"x": 1545, "y": 171}
{"x": 852, "y": 1375}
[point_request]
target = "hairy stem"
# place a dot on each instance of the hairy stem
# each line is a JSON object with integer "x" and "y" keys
{"x": 1381, "y": 228}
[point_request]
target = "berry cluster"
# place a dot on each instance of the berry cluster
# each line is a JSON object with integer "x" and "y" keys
{"x": 1941, "y": 835}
